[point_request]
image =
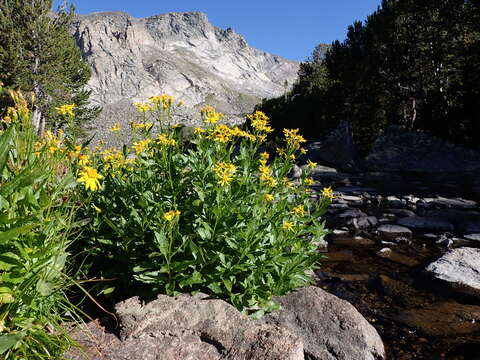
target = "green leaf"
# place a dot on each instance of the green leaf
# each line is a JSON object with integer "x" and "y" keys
{"x": 13, "y": 233}
{"x": 215, "y": 288}
{"x": 204, "y": 233}
{"x": 8, "y": 341}
{"x": 45, "y": 288}
{"x": 108, "y": 290}
{"x": 162, "y": 242}
{"x": 4, "y": 145}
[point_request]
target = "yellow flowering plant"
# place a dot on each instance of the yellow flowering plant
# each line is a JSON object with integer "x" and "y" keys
{"x": 217, "y": 215}
{"x": 36, "y": 206}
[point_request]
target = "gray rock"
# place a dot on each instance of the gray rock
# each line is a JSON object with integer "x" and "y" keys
{"x": 400, "y": 150}
{"x": 473, "y": 237}
{"x": 460, "y": 268}
{"x": 194, "y": 327}
{"x": 180, "y": 54}
{"x": 331, "y": 328}
{"x": 363, "y": 223}
{"x": 401, "y": 212}
{"x": 392, "y": 232}
{"x": 391, "y": 255}
{"x": 351, "y": 213}
{"x": 340, "y": 143}
{"x": 453, "y": 203}
{"x": 425, "y": 223}
{"x": 296, "y": 172}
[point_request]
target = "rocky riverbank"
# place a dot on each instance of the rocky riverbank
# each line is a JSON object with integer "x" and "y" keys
{"x": 404, "y": 250}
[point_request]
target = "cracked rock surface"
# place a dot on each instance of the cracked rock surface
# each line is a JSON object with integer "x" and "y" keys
{"x": 181, "y": 54}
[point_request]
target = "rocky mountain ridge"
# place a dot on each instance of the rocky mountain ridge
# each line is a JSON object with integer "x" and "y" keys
{"x": 181, "y": 54}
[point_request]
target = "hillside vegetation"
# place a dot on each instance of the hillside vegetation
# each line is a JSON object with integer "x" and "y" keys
{"x": 413, "y": 63}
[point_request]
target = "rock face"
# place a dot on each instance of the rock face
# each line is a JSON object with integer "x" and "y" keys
{"x": 460, "y": 268}
{"x": 331, "y": 328}
{"x": 181, "y": 54}
{"x": 190, "y": 328}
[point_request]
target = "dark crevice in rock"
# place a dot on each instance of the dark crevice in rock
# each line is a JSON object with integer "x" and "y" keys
{"x": 206, "y": 338}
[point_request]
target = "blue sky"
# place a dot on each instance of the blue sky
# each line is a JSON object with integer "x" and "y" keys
{"x": 282, "y": 27}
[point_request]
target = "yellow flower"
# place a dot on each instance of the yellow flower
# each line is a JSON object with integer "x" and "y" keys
{"x": 90, "y": 177}
{"x": 143, "y": 107}
{"x": 66, "y": 110}
{"x": 97, "y": 209}
{"x": 288, "y": 226}
{"x": 328, "y": 193}
{"x": 265, "y": 155}
{"x": 299, "y": 210}
{"x": 163, "y": 102}
{"x": 170, "y": 215}
{"x": 311, "y": 164}
{"x": 140, "y": 146}
{"x": 221, "y": 133}
{"x": 116, "y": 128}
{"x": 268, "y": 197}
{"x": 83, "y": 160}
{"x": 224, "y": 172}
{"x": 288, "y": 183}
{"x": 309, "y": 181}
{"x": 303, "y": 151}
{"x": 293, "y": 138}
{"x": 199, "y": 131}
{"x": 163, "y": 139}
{"x": 260, "y": 121}
{"x": 210, "y": 116}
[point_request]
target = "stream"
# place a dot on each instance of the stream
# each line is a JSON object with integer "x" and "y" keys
{"x": 417, "y": 316}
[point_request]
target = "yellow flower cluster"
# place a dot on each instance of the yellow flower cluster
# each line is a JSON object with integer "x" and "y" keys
{"x": 309, "y": 181}
{"x": 199, "y": 131}
{"x": 145, "y": 126}
{"x": 163, "y": 101}
{"x": 143, "y": 107}
{"x": 224, "y": 172}
{"x": 163, "y": 139}
{"x": 210, "y": 115}
{"x": 90, "y": 177}
{"x": 66, "y": 110}
{"x": 299, "y": 210}
{"x": 266, "y": 171}
{"x": 140, "y": 146}
{"x": 170, "y": 215}
{"x": 328, "y": 193}
{"x": 52, "y": 141}
{"x": 75, "y": 153}
{"x": 115, "y": 160}
{"x": 260, "y": 122}
{"x": 293, "y": 138}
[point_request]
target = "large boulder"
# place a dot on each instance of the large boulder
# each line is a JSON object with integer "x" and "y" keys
{"x": 460, "y": 268}
{"x": 399, "y": 149}
{"x": 188, "y": 327}
{"x": 331, "y": 328}
{"x": 337, "y": 149}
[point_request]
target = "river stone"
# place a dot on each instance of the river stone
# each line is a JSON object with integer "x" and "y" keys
{"x": 460, "y": 268}
{"x": 391, "y": 232}
{"x": 195, "y": 328}
{"x": 425, "y": 223}
{"x": 331, "y": 328}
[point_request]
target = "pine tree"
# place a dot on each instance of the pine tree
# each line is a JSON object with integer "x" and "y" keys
{"x": 39, "y": 57}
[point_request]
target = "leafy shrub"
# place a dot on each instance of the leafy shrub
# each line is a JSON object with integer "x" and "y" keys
{"x": 35, "y": 214}
{"x": 216, "y": 216}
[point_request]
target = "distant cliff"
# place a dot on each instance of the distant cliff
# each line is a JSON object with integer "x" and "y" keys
{"x": 181, "y": 54}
